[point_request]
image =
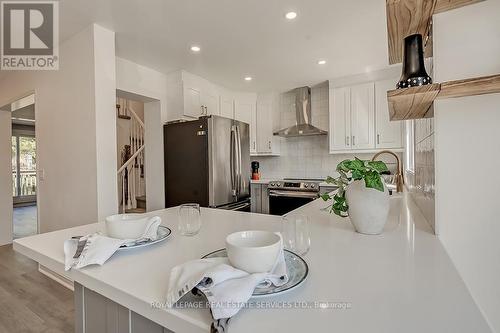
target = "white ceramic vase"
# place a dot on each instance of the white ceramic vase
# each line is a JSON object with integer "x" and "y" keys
{"x": 368, "y": 207}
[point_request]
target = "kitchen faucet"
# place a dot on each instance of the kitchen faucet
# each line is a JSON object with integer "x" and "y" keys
{"x": 398, "y": 177}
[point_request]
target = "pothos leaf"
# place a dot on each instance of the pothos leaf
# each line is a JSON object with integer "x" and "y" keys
{"x": 378, "y": 166}
{"x": 373, "y": 180}
{"x": 325, "y": 197}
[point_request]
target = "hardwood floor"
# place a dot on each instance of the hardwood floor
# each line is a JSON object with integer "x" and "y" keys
{"x": 30, "y": 301}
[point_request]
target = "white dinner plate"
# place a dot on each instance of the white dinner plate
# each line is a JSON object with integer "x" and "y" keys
{"x": 163, "y": 234}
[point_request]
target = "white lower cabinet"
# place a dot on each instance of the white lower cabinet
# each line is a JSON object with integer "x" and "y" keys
{"x": 359, "y": 119}
{"x": 259, "y": 202}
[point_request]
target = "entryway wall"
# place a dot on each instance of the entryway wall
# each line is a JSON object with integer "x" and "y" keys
{"x": 75, "y": 112}
{"x": 5, "y": 182}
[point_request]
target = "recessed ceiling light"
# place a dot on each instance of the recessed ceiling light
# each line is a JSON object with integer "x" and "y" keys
{"x": 291, "y": 15}
{"x": 195, "y": 48}
{"x": 248, "y": 78}
{"x": 321, "y": 62}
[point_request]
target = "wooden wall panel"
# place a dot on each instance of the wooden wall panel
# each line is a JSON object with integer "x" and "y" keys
{"x": 404, "y": 18}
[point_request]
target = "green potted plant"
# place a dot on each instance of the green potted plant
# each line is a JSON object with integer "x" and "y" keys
{"x": 362, "y": 195}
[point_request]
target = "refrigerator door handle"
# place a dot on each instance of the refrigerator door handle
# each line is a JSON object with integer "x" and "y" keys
{"x": 232, "y": 160}
{"x": 239, "y": 177}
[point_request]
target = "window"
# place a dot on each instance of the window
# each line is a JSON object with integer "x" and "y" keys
{"x": 409, "y": 161}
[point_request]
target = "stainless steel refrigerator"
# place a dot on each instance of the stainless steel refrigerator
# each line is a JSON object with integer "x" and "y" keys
{"x": 207, "y": 161}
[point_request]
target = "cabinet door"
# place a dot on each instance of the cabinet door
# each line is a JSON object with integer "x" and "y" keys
{"x": 226, "y": 106}
{"x": 264, "y": 127}
{"x": 253, "y": 133}
{"x": 363, "y": 116}
{"x": 192, "y": 102}
{"x": 255, "y": 198}
{"x": 388, "y": 133}
{"x": 340, "y": 119}
{"x": 211, "y": 103}
{"x": 243, "y": 111}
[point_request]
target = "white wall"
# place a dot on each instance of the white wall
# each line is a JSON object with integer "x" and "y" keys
{"x": 5, "y": 182}
{"x": 467, "y": 143}
{"x": 105, "y": 121}
{"x": 150, "y": 87}
{"x": 67, "y": 150}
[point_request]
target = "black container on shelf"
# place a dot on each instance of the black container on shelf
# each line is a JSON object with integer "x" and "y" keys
{"x": 414, "y": 73}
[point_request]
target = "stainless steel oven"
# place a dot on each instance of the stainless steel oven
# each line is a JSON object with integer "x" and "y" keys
{"x": 285, "y": 196}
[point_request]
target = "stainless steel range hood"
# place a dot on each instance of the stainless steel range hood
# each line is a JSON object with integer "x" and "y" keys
{"x": 303, "y": 125}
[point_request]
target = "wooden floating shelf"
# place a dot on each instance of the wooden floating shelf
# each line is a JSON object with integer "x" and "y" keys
{"x": 416, "y": 102}
{"x": 412, "y": 103}
{"x": 408, "y": 17}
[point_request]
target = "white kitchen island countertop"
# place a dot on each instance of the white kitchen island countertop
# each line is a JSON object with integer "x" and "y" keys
{"x": 400, "y": 281}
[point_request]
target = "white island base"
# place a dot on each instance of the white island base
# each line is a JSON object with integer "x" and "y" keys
{"x": 399, "y": 281}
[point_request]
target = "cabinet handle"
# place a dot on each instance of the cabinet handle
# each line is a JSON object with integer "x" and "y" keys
{"x": 353, "y": 140}
{"x": 347, "y": 141}
{"x": 254, "y": 145}
{"x": 378, "y": 139}
{"x": 269, "y": 144}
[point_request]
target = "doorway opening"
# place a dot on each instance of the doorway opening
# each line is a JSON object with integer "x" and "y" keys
{"x": 24, "y": 171}
{"x": 130, "y": 132}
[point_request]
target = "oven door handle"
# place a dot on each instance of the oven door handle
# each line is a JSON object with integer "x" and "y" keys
{"x": 236, "y": 205}
{"x": 293, "y": 194}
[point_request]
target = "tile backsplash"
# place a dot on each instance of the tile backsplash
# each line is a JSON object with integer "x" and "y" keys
{"x": 303, "y": 157}
{"x": 421, "y": 182}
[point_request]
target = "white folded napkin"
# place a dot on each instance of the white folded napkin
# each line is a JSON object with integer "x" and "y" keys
{"x": 226, "y": 288}
{"x": 97, "y": 249}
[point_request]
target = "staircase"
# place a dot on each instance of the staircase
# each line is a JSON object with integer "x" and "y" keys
{"x": 131, "y": 172}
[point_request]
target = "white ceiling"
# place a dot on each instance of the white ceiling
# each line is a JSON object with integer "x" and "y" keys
{"x": 242, "y": 37}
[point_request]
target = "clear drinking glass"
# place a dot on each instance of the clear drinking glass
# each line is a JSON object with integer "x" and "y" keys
{"x": 189, "y": 219}
{"x": 295, "y": 232}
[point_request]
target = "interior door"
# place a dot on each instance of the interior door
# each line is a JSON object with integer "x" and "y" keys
{"x": 363, "y": 116}
{"x": 388, "y": 133}
{"x": 340, "y": 119}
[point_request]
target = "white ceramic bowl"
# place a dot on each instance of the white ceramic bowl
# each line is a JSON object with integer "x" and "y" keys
{"x": 253, "y": 251}
{"x": 127, "y": 226}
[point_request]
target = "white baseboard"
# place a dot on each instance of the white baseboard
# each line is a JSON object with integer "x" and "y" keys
{"x": 56, "y": 277}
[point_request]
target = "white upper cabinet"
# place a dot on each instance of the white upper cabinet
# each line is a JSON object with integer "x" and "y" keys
{"x": 192, "y": 102}
{"x": 267, "y": 122}
{"x": 340, "y": 119}
{"x": 226, "y": 103}
{"x": 253, "y": 133}
{"x": 245, "y": 111}
{"x": 190, "y": 96}
{"x": 389, "y": 134}
{"x": 362, "y": 116}
{"x": 243, "y": 108}
{"x": 359, "y": 119}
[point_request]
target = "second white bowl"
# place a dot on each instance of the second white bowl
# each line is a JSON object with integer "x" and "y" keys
{"x": 253, "y": 251}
